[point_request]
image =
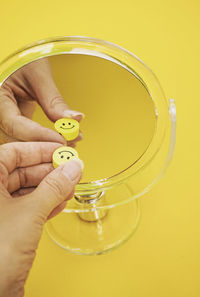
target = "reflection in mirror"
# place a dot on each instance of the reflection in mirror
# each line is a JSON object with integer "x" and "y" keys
{"x": 120, "y": 118}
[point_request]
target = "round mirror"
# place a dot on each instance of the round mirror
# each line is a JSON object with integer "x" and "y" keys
{"x": 120, "y": 114}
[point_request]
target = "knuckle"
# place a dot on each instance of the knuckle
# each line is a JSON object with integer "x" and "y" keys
{"x": 5, "y": 138}
{"x": 22, "y": 177}
{"x": 7, "y": 126}
{"x": 4, "y": 151}
{"x": 56, "y": 100}
{"x": 3, "y": 148}
{"x": 6, "y": 123}
{"x": 6, "y": 94}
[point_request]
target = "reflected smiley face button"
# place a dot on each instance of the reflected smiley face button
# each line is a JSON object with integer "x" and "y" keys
{"x": 63, "y": 154}
{"x": 68, "y": 128}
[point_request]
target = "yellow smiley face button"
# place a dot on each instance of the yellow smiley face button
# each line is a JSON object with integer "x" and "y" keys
{"x": 63, "y": 154}
{"x": 68, "y": 128}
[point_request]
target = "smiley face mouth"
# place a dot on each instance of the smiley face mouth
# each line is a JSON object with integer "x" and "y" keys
{"x": 66, "y": 152}
{"x": 67, "y": 157}
{"x": 67, "y": 128}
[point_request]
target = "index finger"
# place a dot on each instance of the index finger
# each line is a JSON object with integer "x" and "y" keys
{"x": 23, "y": 154}
{"x": 17, "y": 126}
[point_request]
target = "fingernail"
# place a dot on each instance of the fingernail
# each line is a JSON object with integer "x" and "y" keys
{"x": 73, "y": 113}
{"x": 72, "y": 169}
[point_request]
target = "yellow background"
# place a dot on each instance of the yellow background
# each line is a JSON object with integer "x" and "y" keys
{"x": 163, "y": 257}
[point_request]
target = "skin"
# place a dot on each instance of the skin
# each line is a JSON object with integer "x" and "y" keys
{"x": 30, "y": 193}
{"x": 19, "y": 94}
{"x": 30, "y": 190}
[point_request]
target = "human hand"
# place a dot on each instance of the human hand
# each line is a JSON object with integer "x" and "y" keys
{"x": 30, "y": 193}
{"x": 18, "y": 96}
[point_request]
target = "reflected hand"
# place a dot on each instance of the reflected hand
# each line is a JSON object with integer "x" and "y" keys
{"x": 18, "y": 96}
{"x": 41, "y": 192}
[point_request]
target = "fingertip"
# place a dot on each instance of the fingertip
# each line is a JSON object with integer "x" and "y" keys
{"x": 80, "y": 162}
{"x": 80, "y": 137}
{"x": 73, "y": 169}
{"x": 76, "y": 115}
{"x": 53, "y": 136}
{"x": 72, "y": 144}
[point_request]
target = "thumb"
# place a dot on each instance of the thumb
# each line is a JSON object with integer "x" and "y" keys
{"x": 40, "y": 78}
{"x": 55, "y": 107}
{"x": 56, "y": 187}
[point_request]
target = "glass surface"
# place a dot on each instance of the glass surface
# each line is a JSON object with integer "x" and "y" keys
{"x": 85, "y": 237}
{"x": 129, "y": 136}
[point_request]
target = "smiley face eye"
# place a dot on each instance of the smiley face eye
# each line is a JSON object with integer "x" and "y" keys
{"x": 63, "y": 124}
{"x": 63, "y": 157}
{"x": 69, "y": 123}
